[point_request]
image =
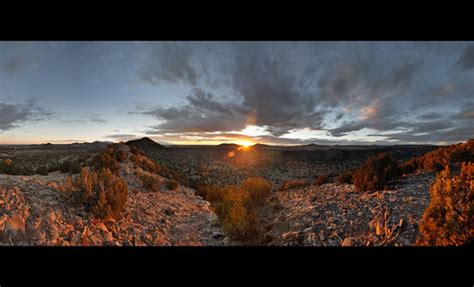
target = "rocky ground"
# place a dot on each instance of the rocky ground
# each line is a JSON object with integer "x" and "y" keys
{"x": 34, "y": 211}
{"x": 335, "y": 215}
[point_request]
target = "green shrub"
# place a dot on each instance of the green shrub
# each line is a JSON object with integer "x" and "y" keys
{"x": 322, "y": 179}
{"x": 449, "y": 218}
{"x": 376, "y": 173}
{"x": 101, "y": 192}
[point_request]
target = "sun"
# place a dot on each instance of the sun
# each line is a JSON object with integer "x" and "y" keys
{"x": 245, "y": 143}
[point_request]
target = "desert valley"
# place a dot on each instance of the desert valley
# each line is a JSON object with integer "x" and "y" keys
{"x": 139, "y": 193}
{"x": 236, "y": 143}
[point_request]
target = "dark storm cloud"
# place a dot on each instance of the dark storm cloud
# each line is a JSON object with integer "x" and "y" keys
{"x": 288, "y": 86}
{"x": 466, "y": 61}
{"x": 201, "y": 113}
{"x": 268, "y": 92}
{"x": 13, "y": 115}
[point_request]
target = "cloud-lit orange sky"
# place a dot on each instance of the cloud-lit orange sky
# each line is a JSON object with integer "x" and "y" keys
{"x": 281, "y": 93}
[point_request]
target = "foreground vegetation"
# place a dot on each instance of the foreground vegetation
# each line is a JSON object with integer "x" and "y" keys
{"x": 101, "y": 192}
{"x": 238, "y": 207}
{"x": 449, "y": 219}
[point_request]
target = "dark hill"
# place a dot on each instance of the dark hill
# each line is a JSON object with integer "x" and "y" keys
{"x": 145, "y": 144}
{"x": 228, "y": 145}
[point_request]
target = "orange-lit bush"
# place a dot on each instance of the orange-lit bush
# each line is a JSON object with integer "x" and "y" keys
{"x": 151, "y": 183}
{"x": 105, "y": 160}
{"x": 238, "y": 206}
{"x": 376, "y": 173}
{"x": 101, "y": 192}
{"x": 437, "y": 159}
{"x": 449, "y": 219}
{"x": 258, "y": 189}
{"x": 237, "y": 214}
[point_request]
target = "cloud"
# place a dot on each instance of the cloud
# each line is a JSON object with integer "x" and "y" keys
{"x": 466, "y": 61}
{"x": 202, "y": 113}
{"x": 97, "y": 120}
{"x": 342, "y": 88}
{"x": 13, "y": 115}
{"x": 169, "y": 62}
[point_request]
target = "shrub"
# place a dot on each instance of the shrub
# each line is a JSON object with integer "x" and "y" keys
{"x": 121, "y": 155}
{"x": 201, "y": 188}
{"x": 7, "y": 166}
{"x": 449, "y": 218}
{"x": 214, "y": 194}
{"x": 436, "y": 160}
{"x": 151, "y": 183}
{"x": 171, "y": 184}
{"x": 238, "y": 206}
{"x": 105, "y": 160}
{"x": 376, "y": 173}
{"x": 149, "y": 165}
{"x": 322, "y": 179}
{"x": 136, "y": 151}
{"x": 407, "y": 167}
{"x": 101, "y": 192}
{"x": 70, "y": 166}
{"x": 258, "y": 189}
{"x": 236, "y": 213}
{"x": 42, "y": 170}
{"x": 294, "y": 183}
{"x": 53, "y": 168}
{"x": 344, "y": 178}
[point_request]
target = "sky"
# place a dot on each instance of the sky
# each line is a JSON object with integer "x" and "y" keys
{"x": 282, "y": 93}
